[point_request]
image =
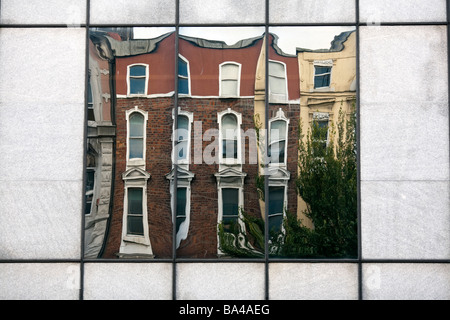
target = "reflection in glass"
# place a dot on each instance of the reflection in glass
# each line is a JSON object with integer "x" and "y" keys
{"x": 130, "y": 99}
{"x": 136, "y": 136}
{"x": 135, "y": 215}
{"x": 324, "y": 222}
{"x": 195, "y": 173}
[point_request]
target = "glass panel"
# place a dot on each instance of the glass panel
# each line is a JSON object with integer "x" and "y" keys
{"x": 132, "y": 60}
{"x": 229, "y": 88}
{"x": 277, "y": 152}
{"x": 135, "y": 226}
{"x": 135, "y": 201}
{"x": 321, "y": 70}
{"x": 183, "y": 127}
{"x": 230, "y": 200}
{"x": 183, "y": 86}
{"x": 229, "y": 125}
{"x": 137, "y": 86}
{"x": 181, "y": 207}
{"x": 276, "y": 69}
{"x": 134, "y": 219}
{"x": 229, "y": 149}
{"x": 277, "y": 85}
{"x": 278, "y": 130}
{"x": 182, "y": 68}
{"x": 322, "y": 81}
{"x": 137, "y": 71}
{"x": 182, "y": 150}
{"x": 136, "y": 125}
{"x": 230, "y": 71}
{"x": 136, "y": 148}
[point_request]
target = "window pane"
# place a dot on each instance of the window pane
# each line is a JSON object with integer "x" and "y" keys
{"x": 275, "y": 223}
{"x": 135, "y": 201}
{"x": 136, "y": 148}
{"x": 137, "y": 86}
{"x": 229, "y": 88}
{"x": 277, "y": 152}
{"x": 322, "y": 81}
{"x": 229, "y": 149}
{"x": 137, "y": 71}
{"x": 230, "y": 71}
{"x": 90, "y": 175}
{"x": 135, "y": 225}
{"x": 181, "y": 150}
{"x": 229, "y": 126}
{"x": 136, "y": 125}
{"x": 276, "y": 69}
{"x": 230, "y": 201}
{"x": 183, "y": 125}
{"x": 183, "y": 86}
{"x": 321, "y": 70}
{"x": 276, "y": 200}
{"x": 277, "y": 85}
{"x": 181, "y": 201}
{"x": 278, "y": 130}
{"x": 182, "y": 68}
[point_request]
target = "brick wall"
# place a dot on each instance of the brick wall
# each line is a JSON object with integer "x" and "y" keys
{"x": 202, "y": 237}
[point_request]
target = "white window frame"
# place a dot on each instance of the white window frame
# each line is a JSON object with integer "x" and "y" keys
{"x": 135, "y": 245}
{"x": 129, "y": 94}
{"x": 136, "y": 161}
{"x": 139, "y": 239}
{"x": 285, "y": 201}
{"x": 279, "y": 117}
{"x": 182, "y": 232}
{"x": 182, "y": 77}
{"x": 276, "y": 97}
{"x": 322, "y": 63}
{"x": 323, "y": 117}
{"x": 230, "y": 161}
{"x": 238, "y": 80}
{"x": 190, "y": 116}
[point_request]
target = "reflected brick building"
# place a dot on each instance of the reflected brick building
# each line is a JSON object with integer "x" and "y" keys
{"x": 221, "y": 106}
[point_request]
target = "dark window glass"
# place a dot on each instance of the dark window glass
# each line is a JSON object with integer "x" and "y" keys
{"x": 135, "y": 223}
{"x": 276, "y": 208}
{"x": 181, "y": 206}
{"x": 230, "y": 207}
{"x": 322, "y": 77}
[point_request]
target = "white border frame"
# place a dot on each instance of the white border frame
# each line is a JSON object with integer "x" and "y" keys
{"x": 188, "y": 77}
{"x": 238, "y": 93}
{"x": 136, "y": 161}
{"x": 146, "y": 80}
{"x": 227, "y": 161}
{"x": 279, "y": 116}
{"x": 275, "y": 97}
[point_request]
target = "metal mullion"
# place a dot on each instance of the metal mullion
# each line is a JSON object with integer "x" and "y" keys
{"x": 358, "y": 152}
{"x": 85, "y": 137}
{"x": 266, "y": 165}
{"x": 175, "y": 160}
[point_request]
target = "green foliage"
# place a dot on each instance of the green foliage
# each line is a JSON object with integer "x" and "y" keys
{"x": 327, "y": 182}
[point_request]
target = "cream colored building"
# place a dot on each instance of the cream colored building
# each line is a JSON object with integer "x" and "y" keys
{"x": 327, "y": 83}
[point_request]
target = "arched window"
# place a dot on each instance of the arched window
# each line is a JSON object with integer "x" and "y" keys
{"x": 278, "y": 136}
{"x": 182, "y": 141}
{"x": 229, "y": 131}
{"x": 230, "y": 73}
{"x": 136, "y": 136}
{"x": 137, "y": 79}
{"x": 183, "y": 76}
{"x": 277, "y": 82}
